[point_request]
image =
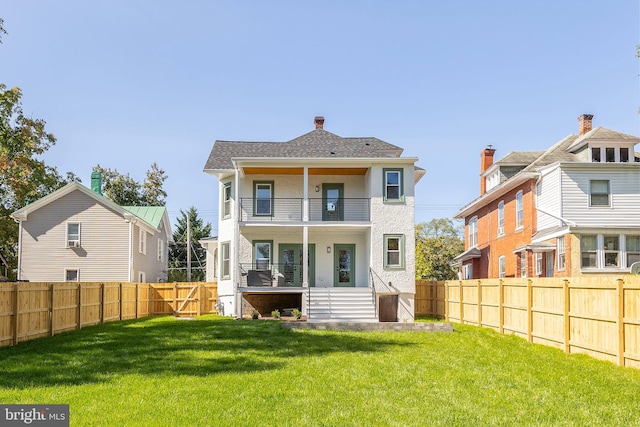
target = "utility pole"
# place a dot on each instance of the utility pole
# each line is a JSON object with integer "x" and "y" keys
{"x": 188, "y": 248}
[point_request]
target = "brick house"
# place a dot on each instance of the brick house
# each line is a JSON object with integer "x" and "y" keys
{"x": 572, "y": 209}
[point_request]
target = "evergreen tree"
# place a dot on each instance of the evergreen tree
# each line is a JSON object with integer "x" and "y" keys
{"x": 178, "y": 251}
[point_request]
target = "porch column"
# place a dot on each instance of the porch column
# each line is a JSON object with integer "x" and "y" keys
{"x": 305, "y": 229}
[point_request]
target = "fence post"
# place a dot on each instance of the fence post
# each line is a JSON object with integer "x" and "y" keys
{"x": 51, "y": 301}
{"x": 479, "y": 303}
{"x": 620, "y": 322}
{"x": 16, "y": 312}
{"x": 149, "y": 302}
{"x": 446, "y": 301}
{"x": 175, "y": 297}
{"x": 79, "y": 316}
{"x": 120, "y": 299}
{"x": 199, "y": 299}
{"x": 529, "y": 310}
{"x": 136, "y": 300}
{"x": 501, "y": 305}
{"x": 567, "y": 320}
{"x": 461, "y": 306}
{"x": 101, "y": 302}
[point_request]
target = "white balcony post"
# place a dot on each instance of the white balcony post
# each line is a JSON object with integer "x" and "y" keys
{"x": 305, "y": 229}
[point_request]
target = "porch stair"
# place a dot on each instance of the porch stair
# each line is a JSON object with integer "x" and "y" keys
{"x": 341, "y": 305}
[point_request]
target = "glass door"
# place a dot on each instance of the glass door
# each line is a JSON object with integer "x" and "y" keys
{"x": 333, "y": 202}
{"x": 344, "y": 262}
{"x": 291, "y": 264}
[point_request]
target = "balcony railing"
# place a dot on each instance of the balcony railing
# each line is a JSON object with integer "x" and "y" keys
{"x": 270, "y": 275}
{"x": 283, "y": 209}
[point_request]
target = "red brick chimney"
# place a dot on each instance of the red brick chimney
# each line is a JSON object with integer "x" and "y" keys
{"x": 486, "y": 160}
{"x": 584, "y": 123}
{"x": 319, "y": 122}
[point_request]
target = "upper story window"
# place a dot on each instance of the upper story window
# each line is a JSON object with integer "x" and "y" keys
{"x": 142, "y": 242}
{"x": 73, "y": 234}
{"x": 609, "y": 154}
{"x": 160, "y": 249}
{"x": 501, "y": 219}
{"x": 393, "y": 185}
{"x": 493, "y": 180}
{"x": 226, "y": 200}
{"x": 519, "y": 210}
{"x": 225, "y": 262}
{"x": 473, "y": 232}
{"x": 263, "y": 198}
{"x": 599, "y": 193}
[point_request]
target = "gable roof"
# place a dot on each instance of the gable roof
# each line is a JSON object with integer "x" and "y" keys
{"x": 602, "y": 134}
{"x": 318, "y": 143}
{"x": 151, "y": 216}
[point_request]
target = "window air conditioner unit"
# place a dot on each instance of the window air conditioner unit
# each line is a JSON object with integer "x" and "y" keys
{"x": 73, "y": 243}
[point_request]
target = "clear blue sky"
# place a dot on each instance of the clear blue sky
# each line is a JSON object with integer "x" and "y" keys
{"x": 125, "y": 83}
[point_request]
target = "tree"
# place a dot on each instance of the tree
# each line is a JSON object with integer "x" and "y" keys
{"x": 2, "y": 31}
{"x": 178, "y": 251}
{"x": 125, "y": 191}
{"x": 24, "y": 177}
{"x": 437, "y": 243}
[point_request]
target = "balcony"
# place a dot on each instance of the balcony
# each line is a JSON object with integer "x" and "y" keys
{"x": 269, "y": 275}
{"x": 290, "y": 210}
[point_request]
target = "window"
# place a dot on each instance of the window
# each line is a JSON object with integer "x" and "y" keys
{"x": 263, "y": 198}
{"x": 473, "y": 232}
{"x": 73, "y": 234}
{"x": 71, "y": 275}
{"x": 225, "y": 262}
{"x": 142, "y": 277}
{"x": 160, "y": 249}
{"x": 262, "y": 254}
{"x": 599, "y": 191}
{"x": 519, "y": 210}
{"x": 595, "y": 154}
{"x": 538, "y": 263}
{"x": 394, "y": 251}
{"x": 611, "y": 251}
{"x": 610, "y": 153}
{"x": 467, "y": 271}
{"x": 588, "y": 251}
{"x": 523, "y": 264}
{"x": 142, "y": 242}
{"x": 624, "y": 154}
{"x": 393, "y": 190}
{"x": 501, "y": 267}
{"x": 226, "y": 200}
{"x": 633, "y": 250}
{"x": 561, "y": 253}
{"x": 501, "y": 219}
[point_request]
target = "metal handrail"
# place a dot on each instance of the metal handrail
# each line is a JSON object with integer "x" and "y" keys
{"x": 291, "y": 209}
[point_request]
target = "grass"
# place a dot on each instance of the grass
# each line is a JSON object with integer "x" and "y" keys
{"x": 215, "y": 371}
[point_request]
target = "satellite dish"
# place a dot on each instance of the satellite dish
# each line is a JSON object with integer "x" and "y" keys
{"x": 635, "y": 268}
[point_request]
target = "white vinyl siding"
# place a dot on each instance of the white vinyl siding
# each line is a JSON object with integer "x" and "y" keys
{"x": 142, "y": 242}
{"x": 549, "y": 200}
{"x": 624, "y": 186}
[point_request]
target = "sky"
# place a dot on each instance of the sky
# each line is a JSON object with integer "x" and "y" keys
{"x": 125, "y": 83}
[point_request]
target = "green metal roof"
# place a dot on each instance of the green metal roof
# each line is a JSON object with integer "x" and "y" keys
{"x": 150, "y": 214}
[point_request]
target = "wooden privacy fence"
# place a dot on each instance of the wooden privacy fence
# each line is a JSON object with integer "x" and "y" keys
{"x": 429, "y": 299}
{"x": 596, "y": 315}
{"x": 31, "y": 310}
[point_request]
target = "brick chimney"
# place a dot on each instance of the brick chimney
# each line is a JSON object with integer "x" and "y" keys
{"x": 319, "y": 122}
{"x": 486, "y": 160}
{"x": 584, "y": 123}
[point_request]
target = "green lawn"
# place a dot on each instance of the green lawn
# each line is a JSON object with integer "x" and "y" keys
{"x": 213, "y": 371}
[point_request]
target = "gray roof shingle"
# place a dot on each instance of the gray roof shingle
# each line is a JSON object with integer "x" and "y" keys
{"x": 318, "y": 143}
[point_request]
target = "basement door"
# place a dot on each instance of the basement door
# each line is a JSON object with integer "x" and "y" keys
{"x": 344, "y": 263}
{"x": 291, "y": 264}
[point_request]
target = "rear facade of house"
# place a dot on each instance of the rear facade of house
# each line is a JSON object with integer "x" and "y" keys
{"x": 570, "y": 210}
{"x": 320, "y": 223}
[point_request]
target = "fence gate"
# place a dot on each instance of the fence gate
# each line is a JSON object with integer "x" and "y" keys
{"x": 187, "y": 299}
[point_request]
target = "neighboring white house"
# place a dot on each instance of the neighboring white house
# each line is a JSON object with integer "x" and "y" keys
{"x": 320, "y": 223}
{"x": 75, "y": 234}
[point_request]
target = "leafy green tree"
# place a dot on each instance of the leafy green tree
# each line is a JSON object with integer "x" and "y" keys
{"x": 24, "y": 177}
{"x": 437, "y": 243}
{"x": 178, "y": 251}
{"x": 125, "y": 191}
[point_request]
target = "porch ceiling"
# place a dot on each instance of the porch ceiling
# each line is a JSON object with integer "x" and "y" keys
{"x": 300, "y": 171}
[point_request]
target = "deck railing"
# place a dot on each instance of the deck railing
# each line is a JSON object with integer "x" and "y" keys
{"x": 270, "y": 275}
{"x": 290, "y": 209}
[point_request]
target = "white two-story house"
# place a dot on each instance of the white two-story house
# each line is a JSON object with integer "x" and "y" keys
{"x": 320, "y": 223}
